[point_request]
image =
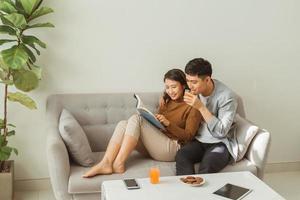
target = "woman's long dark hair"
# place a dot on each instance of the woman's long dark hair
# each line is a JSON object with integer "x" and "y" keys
{"x": 175, "y": 75}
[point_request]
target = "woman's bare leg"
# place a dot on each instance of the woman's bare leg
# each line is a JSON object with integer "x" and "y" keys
{"x": 128, "y": 145}
{"x": 105, "y": 165}
{"x": 130, "y": 140}
{"x": 118, "y": 152}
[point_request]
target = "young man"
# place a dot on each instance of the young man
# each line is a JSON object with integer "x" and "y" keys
{"x": 215, "y": 143}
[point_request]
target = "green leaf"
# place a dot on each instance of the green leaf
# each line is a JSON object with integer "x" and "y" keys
{"x": 15, "y": 151}
{"x": 11, "y": 125}
{"x": 10, "y": 133}
{"x": 22, "y": 99}
{"x": 33, "y": 46}
{"x": 1, "y": 140}
{"x": 6, "y": 149}
{"x": 40, "y": 12}
{"x": 15, "y": 57}
{"x": 32, "y": 40}
{"x": 29, "y": 53}
{"x": 20, "y": 8}
{"x": 6, "y": 41}
{"x": 16, "y": 20}
{"x": 7, "y": 82}
{"x": 4, "y": 155}
{"x": 7, "y": 30}
{"x": 29, "y": 5}
{"x": 5, "y": 21}
{"x": 37, "y": 70}
{"x": 2, "y": 64}
{"x": 7, "y": 7}
{"x": 1, "y": 124}
{"x": 40, "y": 25}
{"x": 5, "y": 152}
{"x": 25, "y": 80}
{"x": 3, "y": 75}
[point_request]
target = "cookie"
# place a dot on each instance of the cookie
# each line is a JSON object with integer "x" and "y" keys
{"x": 198, "y": 180}
{"x": 192, "y": 180}
{"x": 183, "y": 180}
{"x": 190, "y": 177}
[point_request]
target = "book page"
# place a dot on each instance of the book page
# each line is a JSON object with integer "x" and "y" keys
{"x": 139, "y": 101}
{"x": 147, "y": 114}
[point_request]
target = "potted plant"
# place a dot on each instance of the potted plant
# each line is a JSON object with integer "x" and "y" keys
{"x": 17, "y": 71}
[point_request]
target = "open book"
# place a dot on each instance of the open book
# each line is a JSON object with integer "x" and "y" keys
{"x": 147, "y": 114}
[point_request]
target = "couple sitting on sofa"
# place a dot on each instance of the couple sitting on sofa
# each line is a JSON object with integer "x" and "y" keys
{"x": 199, "y": 126}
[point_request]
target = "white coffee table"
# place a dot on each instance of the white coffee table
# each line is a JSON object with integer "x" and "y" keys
{"x": 172, "y": 188}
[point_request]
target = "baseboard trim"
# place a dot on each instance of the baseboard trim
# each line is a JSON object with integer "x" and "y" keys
{"x": 44, "y": 183}
{"x": 32, "y": 184}
{"x": 282, "y": 167}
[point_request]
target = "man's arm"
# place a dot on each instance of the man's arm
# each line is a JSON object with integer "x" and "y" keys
{"x": 218, "y": 126}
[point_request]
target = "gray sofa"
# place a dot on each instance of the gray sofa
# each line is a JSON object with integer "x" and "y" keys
{"x": 98, "y": 115}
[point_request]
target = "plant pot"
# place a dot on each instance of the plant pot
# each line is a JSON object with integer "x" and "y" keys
{"x": 6, "y": 182}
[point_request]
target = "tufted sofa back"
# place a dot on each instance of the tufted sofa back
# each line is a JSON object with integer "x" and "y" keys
{"x": 98, "y": 114}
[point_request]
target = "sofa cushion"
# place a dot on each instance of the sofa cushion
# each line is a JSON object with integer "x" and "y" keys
{"x": 245, "y": 132}
{"x": 137, "y": 166}
{"x": 75, "y": 139}
{"x": 243, "y": 165}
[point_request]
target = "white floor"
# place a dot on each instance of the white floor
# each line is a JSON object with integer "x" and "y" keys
{"x": 285, "y": 183}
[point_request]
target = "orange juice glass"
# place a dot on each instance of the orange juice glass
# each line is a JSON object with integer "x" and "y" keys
{"x": 154, "y": 175}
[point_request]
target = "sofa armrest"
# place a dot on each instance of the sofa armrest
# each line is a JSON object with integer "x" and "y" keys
{"x": 258, "y": 151}
{"x": 58, "y": 164}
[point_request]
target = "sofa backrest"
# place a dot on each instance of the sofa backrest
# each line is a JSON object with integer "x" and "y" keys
{"x": 98, "y": 114}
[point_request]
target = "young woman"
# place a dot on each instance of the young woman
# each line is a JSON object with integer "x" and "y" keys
{"x": 181, "y": 122}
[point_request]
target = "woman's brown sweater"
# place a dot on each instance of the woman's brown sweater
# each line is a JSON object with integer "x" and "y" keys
{"x": 184, "y": 120}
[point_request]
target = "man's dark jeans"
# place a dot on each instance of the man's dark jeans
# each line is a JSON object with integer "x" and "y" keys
{"x": 213, "y": 157}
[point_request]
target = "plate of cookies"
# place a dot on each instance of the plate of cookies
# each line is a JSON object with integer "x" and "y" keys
{"x": 193, "y": 181}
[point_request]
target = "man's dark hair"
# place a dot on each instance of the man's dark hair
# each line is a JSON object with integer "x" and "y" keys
{"x": 199, "y": 67}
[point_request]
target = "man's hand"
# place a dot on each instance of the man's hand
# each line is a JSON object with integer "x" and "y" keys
{"x": 192, "y": 100}
{"x": 162, "y": 119}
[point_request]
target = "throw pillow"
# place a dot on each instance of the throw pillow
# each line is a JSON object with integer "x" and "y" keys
{"x": 245, "y": 132}
{"x": 75, "y": 139}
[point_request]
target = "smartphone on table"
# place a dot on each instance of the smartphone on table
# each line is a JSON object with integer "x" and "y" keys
{"x": 131, "y": 184}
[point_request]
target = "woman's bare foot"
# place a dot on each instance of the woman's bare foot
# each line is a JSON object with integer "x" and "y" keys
{"x": 118, "y": 168}
{"x": 100, "y": 168}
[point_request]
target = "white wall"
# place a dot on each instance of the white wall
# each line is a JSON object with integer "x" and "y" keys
{"x": 120, "y": 46}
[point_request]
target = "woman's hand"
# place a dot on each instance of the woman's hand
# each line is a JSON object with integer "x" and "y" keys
{"x": 162, "y": 119}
